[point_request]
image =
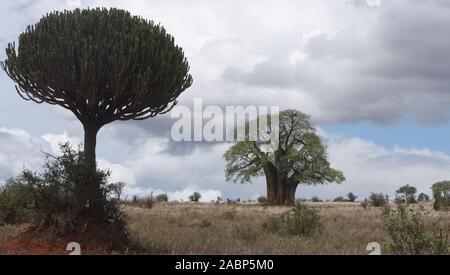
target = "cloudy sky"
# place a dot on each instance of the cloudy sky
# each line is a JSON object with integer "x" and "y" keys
{"x": 374, "y": 78}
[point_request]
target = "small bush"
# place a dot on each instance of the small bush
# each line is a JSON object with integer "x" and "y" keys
{"x": 422, "y": 197}
{"x": 16, "y": 203}
{"x": 62, "y": 200}
{"x": 408, "y": 234}
{"x": 162, "y": 198}
{"x": 351, "y": 197}
{"x": 262, "y": 199}
{"x": 301, "y": 221}
{"x": 195, "y": 197}
{"x": 316, "y": 199}
{"x": 378, "y": 200}
{"x": 272, "y": 224}
{"x": 441, "y": 195}
{"x": 339, "y": 199}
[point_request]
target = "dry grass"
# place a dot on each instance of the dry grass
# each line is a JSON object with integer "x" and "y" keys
{"x": 188, "y": 228}
{"x": 228, "y": 229}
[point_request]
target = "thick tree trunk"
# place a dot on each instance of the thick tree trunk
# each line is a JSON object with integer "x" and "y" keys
{"x": 279, "y": 189}
{"x": 92, "y": 186}
{"x": 90, "y": 142}
{"x": 271, "y": 182}
{"x": 281, "y": 193}
{"x": 290, "y": 194}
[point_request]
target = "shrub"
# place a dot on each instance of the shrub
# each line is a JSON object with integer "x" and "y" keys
{"x": 409, "y": 236}
{"x": 441, "y": 195}
{"x": 422, "y": 197}
{"x": 16, "y": 203}
{"x": 316, "y": 199}
{"x": 195, "y": 197}
{"x": 301, "y": 221}
{"x": 162, "y": 197}
{"x": 365, "y": 204}
{"x": 378, "y": 200}
{"x": 339, "y": 199}
{"x": 262, "y": 199}
{"x": 272, "y": 224}
{"x": 61, "y": 202}
{"x": 351, "y": 197}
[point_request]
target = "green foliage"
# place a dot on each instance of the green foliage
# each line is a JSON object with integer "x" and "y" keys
{"x": 441, "y": 195}
{"x": 301, "y": 220}
{"x": 422, "y": 197}
{"x": 60, "y": 200}
{"x": 162, "y": 197}
{"x": 16, "y": 203}
{"x": 300, "y": 158}
{"x": 101, "y": 64}
{"x": 316, "y": 199}
{"x": 378, "y": 199}
{"x": 262, "y": 199}
{"x": 409, "y": 236}
{"x": 351, "y": 197}
{"x": 406, "y": 194}
{"x": 195, "y": 197}
{"x": 339, "y": 199}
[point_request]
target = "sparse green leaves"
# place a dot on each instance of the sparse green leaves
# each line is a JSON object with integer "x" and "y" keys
{"x": 301, "y": 156}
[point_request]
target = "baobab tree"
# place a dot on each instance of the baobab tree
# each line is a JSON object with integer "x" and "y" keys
{"x": 299, "y": 158}
{"x": 102, "y": 65}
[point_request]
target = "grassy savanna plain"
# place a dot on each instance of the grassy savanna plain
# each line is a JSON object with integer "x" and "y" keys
{"x": 202, "y": 228}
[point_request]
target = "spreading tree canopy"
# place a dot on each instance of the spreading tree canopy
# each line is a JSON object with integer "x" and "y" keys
{"x": 406, "y": 193}
{"x": 101, "y": 64}
{"x": 300, "y": 158}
